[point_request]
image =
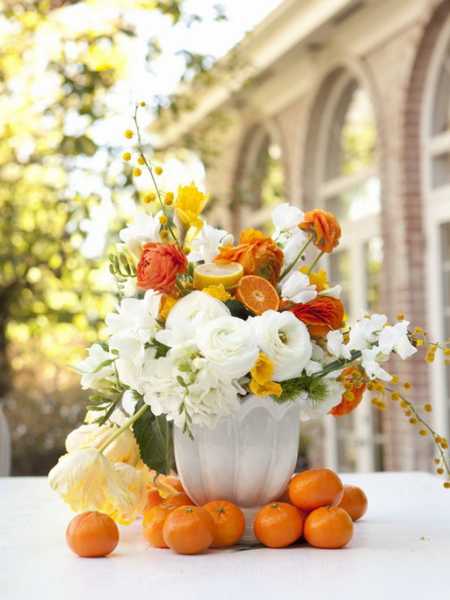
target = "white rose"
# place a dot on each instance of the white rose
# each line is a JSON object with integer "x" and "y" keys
{"x": 187, "y": 317}
{"x": 228, "y": 344}
{"x": 297, "y": 288}
{"x": 286, "y": 342}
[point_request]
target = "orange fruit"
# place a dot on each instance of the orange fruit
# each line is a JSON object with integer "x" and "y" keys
{"x": 278, "y": 524}
{"x": 189, "y": 530}
{"x": 176, "y": 500}
{"x": 257, "y": 294}
{"x": 328, "y": 527}
{"x": 354, "y": 501}
{"x": 92, "y": 534}
{"x": 153, "y": 499}
{"x": 154, "y": 519}
{"x": 229, "y": 522}
{"x": 314, "y": 488}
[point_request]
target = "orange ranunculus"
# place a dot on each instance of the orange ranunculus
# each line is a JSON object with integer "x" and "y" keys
{"x": 159, "y": 266}
{"x": 355, "y": 386}
{"x": 324, "y": 228}
{"x": 258, "y": 254}
{"x": 321, "y": 315}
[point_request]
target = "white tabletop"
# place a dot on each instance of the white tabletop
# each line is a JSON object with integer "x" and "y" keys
{"x": 401, "y": 549}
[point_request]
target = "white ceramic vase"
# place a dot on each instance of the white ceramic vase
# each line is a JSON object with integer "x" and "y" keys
{"x": 248, "y": 458}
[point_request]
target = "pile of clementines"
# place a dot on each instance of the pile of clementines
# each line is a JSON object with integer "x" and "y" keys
{"x": 315, "y": 505}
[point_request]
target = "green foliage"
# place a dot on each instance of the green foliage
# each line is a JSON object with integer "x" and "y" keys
{"x": 154, "y": 437}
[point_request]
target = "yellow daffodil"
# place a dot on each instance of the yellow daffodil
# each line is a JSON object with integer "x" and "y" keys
{"x": 189, "y": 203}
{"x": 123, "y": 449}
{"x": 167, "y": 303}
{"x": 261, "y": 383}
{"x": 318, "y": 278}
{"x": 217, "y": 291}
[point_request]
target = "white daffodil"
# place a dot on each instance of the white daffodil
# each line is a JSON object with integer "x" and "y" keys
{"x": 205, "y": 246}
{"x": 144, "y": 228}
{"x": 396, "y": 338}
{"x": 297, "y": 288}
{"x": 228, "y": 344}
{"x": 123, "y": 449}
{"x": 85, "y": 479}
{"x": 314, "y": 406}
{"x": 371, "y": 364}
{"x": 336, "y": 346}
{"x": 188, "y": 316}
{"x": 286, "y": 218}
{"x": 286, "y": 342}
{"x": 96, "y": 368}
{"x": 364, "y": 332}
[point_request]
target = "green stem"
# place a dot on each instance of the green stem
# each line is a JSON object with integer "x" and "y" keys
{"x": 338, "y": 364}
{"x": 125, "y": 426}
{"x": 315, "y": 261}
{"x": 152, "y": 175}
{"x": 294, "y": 262}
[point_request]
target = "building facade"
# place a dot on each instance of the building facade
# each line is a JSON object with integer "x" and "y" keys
{"x": 345, "y": 104}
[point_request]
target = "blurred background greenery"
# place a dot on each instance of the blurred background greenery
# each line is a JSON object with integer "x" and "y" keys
{"x": 69, "y": 75}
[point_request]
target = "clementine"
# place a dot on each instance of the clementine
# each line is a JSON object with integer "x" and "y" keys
{"x": 154, "y": 519}
{"x": 92, "y": 534}
{"x": 180, "y": 499}
{"x": 189, "y": 530}
{"x": 153, "y": 499}
{"x": 229, "y": 522}
{"x": 328, "y": 527}
{"x": 314, "y": 488}
{"x": 354, "y": 501}
{"x": 278, "y": 524}
{"x": 257, "y": 294}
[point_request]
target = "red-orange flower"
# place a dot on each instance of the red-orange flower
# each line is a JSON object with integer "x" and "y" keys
{"x": 355, "y": 386}
{"x": 321, "y": 315}
{"x": 159, "y": 266}
{"x": 258, "y": 254}
{"x": 324, "y": 228}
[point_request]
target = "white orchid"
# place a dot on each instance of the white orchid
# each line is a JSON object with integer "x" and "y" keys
{"x": 297, "y": 288}
{"x": 187, "y": 317}
{"x": 96, "y": 368}
{"x": 286, "y": 342}
{"x": 286, "y": 218}
{"x": 365, "y": 332}
{"x": 396, "y": 338}
{"x": 371, "y": 359}
{"x": 228, "y": 344}
{"x": 143, "y": 228}
{"x": 205, "y": 246}
{"x": 336, "y": 346}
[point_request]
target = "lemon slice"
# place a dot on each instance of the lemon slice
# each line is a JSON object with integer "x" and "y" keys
{"x": 215, "y": 274}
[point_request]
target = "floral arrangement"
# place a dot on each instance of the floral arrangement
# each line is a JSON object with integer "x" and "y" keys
{"x": 202, "y": 323}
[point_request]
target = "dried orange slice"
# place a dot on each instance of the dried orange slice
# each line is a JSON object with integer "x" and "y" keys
{"x": 257, "y": 294}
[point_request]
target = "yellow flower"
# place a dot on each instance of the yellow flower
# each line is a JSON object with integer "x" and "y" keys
{"x": 217, "y": 291}
{"x": 319, "y": 278}
{"x": 189, "y": 204}
{"x": 125, "y": 508}
{"x": 261, "y": 383}
{"x": 167, "y": 303}
{"x": 123, "y": 449}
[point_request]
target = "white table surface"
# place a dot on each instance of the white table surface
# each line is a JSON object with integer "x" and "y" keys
{"x": 401, "y": 549}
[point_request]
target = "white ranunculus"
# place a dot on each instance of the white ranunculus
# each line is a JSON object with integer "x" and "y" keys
{"x": 228, "y": 344}
{"x": 187, "y": 317}
{"x": 297, "y": 288}
{"x": 396, "y": 338}
{"x": 205, "y": 246}
{"x": 313, "y": 408}
{"x": 123, "y": 449}
{"x": 286, "y": 342}
{"x": 144, "y": 228}
{"x": 96, "y": 368}
{"x": 286, "y": 218}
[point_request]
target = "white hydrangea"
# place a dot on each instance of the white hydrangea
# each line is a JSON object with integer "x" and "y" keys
{"x": 96, "y": 368}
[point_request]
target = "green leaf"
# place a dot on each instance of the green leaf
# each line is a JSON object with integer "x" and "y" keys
{"x": 238, "y": 310}
{"x": 154, "y": 437}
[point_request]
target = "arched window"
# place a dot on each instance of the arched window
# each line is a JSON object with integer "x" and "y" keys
{"x": 436, "y": 138}
{"x": 260, "y": 180}
{"x": 346, "y": 182}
